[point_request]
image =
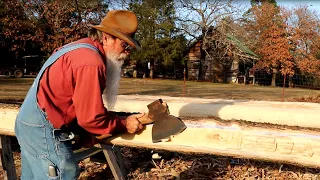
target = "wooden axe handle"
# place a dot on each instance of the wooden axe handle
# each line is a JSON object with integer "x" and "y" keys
{"x": 144, "y": 120}
{"x": 103, "y": 136}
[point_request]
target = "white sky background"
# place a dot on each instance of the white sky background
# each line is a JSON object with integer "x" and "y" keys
{"x": 313, "y": 4}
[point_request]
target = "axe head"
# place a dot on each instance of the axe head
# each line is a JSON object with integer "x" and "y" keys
{"x": 157, "y": 109}
{"x": 165, "y": 125}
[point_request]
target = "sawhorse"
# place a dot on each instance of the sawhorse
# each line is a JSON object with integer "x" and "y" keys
{"x": 111, "y": 153}
{"x": 6, "y": 158}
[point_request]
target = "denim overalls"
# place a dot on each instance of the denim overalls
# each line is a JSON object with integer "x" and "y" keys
{"x": 41, "y": 150}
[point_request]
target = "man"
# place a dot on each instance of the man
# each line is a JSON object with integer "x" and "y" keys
{"x": 71, "y": 88}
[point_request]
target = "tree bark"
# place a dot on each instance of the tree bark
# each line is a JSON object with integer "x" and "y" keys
{"x": 290, "y": 82}
{"x": 201, "y": 75}
{"x": 201, "y": 65}
{"x": 274, "y": 76}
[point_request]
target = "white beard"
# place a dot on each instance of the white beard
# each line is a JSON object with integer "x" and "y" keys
{"x": 114, "y": 64}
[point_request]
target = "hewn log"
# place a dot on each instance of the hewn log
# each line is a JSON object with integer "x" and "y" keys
{"x": 297, "y": 146}
{"x": 301, "y": 147}
{"x": 7, "y": 121}
{"x": 285, "y": 113}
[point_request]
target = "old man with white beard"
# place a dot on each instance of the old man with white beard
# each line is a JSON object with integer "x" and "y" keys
{"x": 70, "y": 90}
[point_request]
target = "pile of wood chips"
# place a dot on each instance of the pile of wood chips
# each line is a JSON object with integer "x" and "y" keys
{"x": 140, "y": 165}
{"x": 313, "y": 99}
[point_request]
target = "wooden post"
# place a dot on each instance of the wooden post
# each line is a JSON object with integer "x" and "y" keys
{"x": 119, "y": 158}
{"x": 184, "y": 76}
{"x": 113, "y": 163}
{"x": 6, "y": 158}
{"x": 83, "y": 153}
{"x": 284, "y": 85}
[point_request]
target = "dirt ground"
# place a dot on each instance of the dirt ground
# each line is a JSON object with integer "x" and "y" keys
{"x": 195, "y": 166}
{"x": 140, "y": 165}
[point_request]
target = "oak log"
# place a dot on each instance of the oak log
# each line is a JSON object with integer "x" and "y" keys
{"x": 7, "y": 121}
{"x": 301, "y": 114}
{"x": 299, "y": 147}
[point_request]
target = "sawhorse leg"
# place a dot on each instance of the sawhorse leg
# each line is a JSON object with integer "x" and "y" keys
{"x": 115, "y": 161}
{"x": 6, "y": 158}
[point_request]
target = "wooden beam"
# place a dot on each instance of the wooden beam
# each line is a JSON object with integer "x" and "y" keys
{"x": 119, "y": 157}
{"x": 286, "y": 144}
{"x": 83, "y": 153}
{"x": 301, "y": 147}
{"x": 113, "y": 163}
{"x": 285, "y": 113}
{"x": 6, "y": 158}
{"x": 7, "y": 121}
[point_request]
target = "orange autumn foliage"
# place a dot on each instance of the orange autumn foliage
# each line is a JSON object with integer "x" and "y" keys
{"x": 306, "y": 40}
{"x": 15, "y": 25}
{"x": 47, "y": 24}
{"x": 287, "y": 40}
{"x": 274, "y": 48}
{"x": 57, "y": 25}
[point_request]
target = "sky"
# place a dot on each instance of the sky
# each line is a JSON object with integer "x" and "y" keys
{"x": 313, "y": 4}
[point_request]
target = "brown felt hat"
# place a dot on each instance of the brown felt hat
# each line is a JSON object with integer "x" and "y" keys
{"x": 121, "y": 24}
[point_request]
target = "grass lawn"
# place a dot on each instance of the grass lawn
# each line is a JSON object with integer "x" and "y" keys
{"x": 16, "y": 89}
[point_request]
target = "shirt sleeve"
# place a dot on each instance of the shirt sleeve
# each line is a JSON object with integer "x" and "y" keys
{"x": 87, "y": 98}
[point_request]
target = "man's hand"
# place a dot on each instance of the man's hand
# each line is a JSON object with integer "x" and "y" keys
{"x": 133, "y": 125}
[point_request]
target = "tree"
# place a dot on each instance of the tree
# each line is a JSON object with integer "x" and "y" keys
{"x": 61, "y": 22}
{"x": 2, "y": 16}
{"x": 196, "y": 19}
{"x": 305, "y": 39}
{"x": 38, "y": 27}
{"x": 273, "y": 43}
{"x": 161, "y": 44}
{"x": 247, "y": 30}
{"x": 259, "y": 2}
{"x": 16, "y": 26}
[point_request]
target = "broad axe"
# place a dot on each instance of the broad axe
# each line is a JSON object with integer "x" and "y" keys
{"x": 164, "y": 124}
